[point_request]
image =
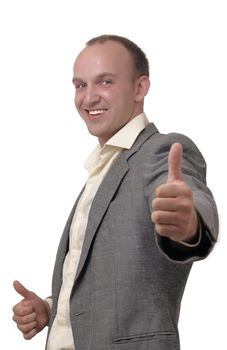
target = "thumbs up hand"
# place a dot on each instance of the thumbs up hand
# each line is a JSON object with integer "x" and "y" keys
{"x": 173, "y": 212}
{"x": 31, "y": 314}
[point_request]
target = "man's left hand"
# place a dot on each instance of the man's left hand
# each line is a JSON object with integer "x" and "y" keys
{"x": 173, "y": 212}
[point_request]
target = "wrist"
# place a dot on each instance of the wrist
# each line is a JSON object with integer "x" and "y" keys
{"x": 48, "y": 305}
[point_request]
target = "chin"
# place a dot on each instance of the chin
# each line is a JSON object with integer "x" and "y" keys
{"x": 93, "y": 132}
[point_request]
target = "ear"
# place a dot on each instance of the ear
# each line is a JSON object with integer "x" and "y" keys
{"x": 142, "y": 86}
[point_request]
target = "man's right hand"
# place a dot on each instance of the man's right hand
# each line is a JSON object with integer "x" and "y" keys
{"x": 32, "y": 313}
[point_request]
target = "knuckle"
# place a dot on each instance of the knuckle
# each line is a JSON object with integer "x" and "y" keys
{"x": 19, "y": 309}
{"x": 27, "y": 336}
{"x": 16, "y": 308}
{"x": 27, "y": 328}
{"x": 153, "y": 216}
{"x": 156, "y": 216}
{"x": 187, "y": 191}
{"x": 19, "y": 327}
{"x": 159, "y": 190}
{"x": 154, "y": 203}
{"x": 186, "y": 204}
{"x": 161, "y": 230}
{"x": 15, "y": 319}
{"x": 27, "y": 319}
{"x": 30, "y": 335}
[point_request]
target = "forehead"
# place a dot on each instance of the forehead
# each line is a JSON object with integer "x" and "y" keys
{"x": 109, "y": 56}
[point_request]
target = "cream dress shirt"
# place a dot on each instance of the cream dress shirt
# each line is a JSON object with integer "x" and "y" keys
{"x": 97, "y": 165}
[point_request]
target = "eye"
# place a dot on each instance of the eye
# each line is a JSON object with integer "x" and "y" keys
{"x": 80, "y": 85}
{"x": 106, "y": 82}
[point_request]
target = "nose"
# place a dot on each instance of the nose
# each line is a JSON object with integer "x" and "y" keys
{"x": 91, "y": 96}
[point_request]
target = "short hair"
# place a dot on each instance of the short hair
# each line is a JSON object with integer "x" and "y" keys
{"x": 139, "y": 58}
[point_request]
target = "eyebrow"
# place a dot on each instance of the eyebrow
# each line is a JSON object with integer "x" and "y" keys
{"x": 98, "y": 77}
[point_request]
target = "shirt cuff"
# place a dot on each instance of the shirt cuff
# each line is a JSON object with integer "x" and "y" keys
{"x": 198, "y": 240}
{"x": 49, "y": 301}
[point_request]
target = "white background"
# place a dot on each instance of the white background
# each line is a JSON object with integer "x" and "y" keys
{"x": 43, "y": 142}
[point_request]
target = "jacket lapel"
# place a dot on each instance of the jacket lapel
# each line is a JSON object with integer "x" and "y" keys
{"x": 107, "y": 190}
{"x": 100, "y": 205}
{"x": 63, "y": 249}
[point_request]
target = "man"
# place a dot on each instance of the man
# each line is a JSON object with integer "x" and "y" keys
{"x": 143, "y": 217}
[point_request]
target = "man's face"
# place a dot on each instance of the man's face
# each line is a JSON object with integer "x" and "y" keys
{"x": 105, "y": 85}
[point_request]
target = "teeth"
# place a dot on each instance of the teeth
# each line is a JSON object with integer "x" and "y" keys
{"x": 97, "y": 111}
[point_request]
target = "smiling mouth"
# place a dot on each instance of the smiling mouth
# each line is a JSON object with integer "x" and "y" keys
{"x": 95, "y": 112}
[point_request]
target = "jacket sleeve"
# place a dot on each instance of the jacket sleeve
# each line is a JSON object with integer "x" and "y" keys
{"x": 194, "y": 173}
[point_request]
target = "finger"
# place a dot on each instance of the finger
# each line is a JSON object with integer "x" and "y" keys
{"x": 20, "y": 289}
{"x": 165, "y": 217}
{"x": 172, "y": 190}
{"x": 174, "y": 163}
{"x": 170, "y": 231}
{"x": 21, "y": 310}
{"x": 168, "y": 204}
{"x": 27, "y": 327}
{"x": 25, "y": 319}
{"x": 30, "y": 334}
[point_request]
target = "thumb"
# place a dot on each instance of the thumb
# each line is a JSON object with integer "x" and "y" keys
{"x": 174, "y": 163}
{"x": 24, "y": 292}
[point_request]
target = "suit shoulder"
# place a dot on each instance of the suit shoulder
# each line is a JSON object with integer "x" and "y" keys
{"x": 161, "y": 143}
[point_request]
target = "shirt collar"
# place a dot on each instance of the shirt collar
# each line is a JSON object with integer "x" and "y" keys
{"x": 123, "y": 139}
{"x": 127, "y": 135}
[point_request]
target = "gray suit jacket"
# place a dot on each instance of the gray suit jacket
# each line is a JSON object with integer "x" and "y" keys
{"x": 130, "y": 281}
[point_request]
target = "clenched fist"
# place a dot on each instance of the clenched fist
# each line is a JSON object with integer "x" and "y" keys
{"x": 31, "y": 314}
